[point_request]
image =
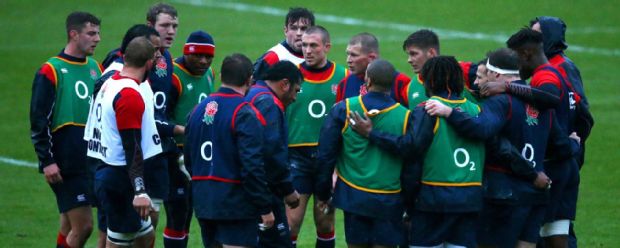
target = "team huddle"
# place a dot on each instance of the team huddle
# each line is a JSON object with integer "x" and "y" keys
{"x": 461, "y": 154}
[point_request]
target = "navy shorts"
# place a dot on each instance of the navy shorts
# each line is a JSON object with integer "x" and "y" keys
{"x": 564, "y": 190}
{"x": 278, "y": 236}
{"x": 503, "y": 225}
{"x": 436, "y": 228}
{"x": 303, "y": 168}
{"x": 364, "y": 230}
{"x": 115, "y": 196}
{"x": 229, "y": 232}
{"x": 178, "y": 183}
{"x": 74, "y": 191}
{"x": 156, "y": 178}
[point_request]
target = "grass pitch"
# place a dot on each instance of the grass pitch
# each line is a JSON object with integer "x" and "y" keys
{"x": 34, "y": 31}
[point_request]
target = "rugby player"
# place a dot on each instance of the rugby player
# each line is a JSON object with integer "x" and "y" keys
{"x": 363, "y": 48}
{"x": 305, "y": 117}
{"x": 296, "y": 22}
{"x": 61, "y": 92}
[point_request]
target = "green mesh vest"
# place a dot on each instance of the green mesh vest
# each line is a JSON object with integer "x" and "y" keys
{"x": 416, "y": 93}
{"x": 365, "y": 166}
{"x": 305, "y": 116}
{"x": 193, "y": 90}
{"x": 74, "y": 88}
{"x": 452, "y": 160}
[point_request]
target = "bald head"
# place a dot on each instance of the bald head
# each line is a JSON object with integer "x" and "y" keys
{"x": 138, "y": 52}
{"x": 380, "y": 74}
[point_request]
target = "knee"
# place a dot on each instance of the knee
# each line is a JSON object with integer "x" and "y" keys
{"x": 85, "y": 229}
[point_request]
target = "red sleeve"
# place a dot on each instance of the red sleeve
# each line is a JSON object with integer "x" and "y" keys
{"x": 101, "y": 69}
{"x": 340, "y": 89}
{"x": 271, "y": 58}
{"x": 176, "y": 83}
{"x": 466, "y": 66}
{"x": 545, "y": 77}
{"x": 48, "y": 71}
{"x": 129, "y": 108}
{"x": 401, "y": 84}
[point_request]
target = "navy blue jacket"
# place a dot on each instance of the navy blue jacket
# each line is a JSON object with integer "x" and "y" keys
{"x": 275, "y": 137}
{"x": 224, "y": 149}
{"x": 529, "y": 132}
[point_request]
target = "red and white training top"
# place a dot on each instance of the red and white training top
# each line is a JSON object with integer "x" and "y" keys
{"x": 122, "y": 103}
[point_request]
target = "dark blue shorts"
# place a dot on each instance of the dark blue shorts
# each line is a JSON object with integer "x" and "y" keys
{"x": 74, "y": 191}
{"x": 278, "y": 236}
{"x": 503, "y": 225}
{"x": 564, "y": 190}
{"x": 156, "y": 176}
{"x": 303, "y": 168}
{"x": 115, "y": 196}
{"x": 436, "y": 228}
{"x": 229, "y": 232}
{"x": 363, "y": 230}
{"x": 177, "y": 181}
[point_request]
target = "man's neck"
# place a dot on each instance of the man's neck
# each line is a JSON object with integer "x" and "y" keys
{"x": 510, "y": 78}
{"x": 320, "y": 65}
{"x": 72, "y": 51}
{"x": 540, "y": 60}
{"x": 239, "y": 89}
{"x": 134, "y": 73}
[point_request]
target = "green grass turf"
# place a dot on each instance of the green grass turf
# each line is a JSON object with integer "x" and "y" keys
{"x": 34, "y": 30}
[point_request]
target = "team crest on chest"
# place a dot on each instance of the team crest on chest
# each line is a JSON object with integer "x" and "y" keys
{"x": 363, "y": 90}
{"x": 190, "y": 86}
{"x": 210, "y": 112}
{"x": 161, "y": 69}
{"x": 334, "y": 88}
{"x": 93, "y": 74}
{"x": 532, "y": 115}
{"x": 415, "y": 95}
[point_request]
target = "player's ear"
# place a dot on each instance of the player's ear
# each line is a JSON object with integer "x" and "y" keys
{"x": 372, "y": 56}
{"x": 432, "y": 52}
{"x": 73, "y": 34}
{"x": 285, "y": 84}
{"x": 328, "y": 45}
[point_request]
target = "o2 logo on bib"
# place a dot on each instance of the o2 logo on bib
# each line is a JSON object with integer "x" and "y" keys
{"x": 317, "y": 109}
{"x": 81, "y": 90}
{"x": 461, "y": 159}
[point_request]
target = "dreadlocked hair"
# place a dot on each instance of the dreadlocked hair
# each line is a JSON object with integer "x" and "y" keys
{"x": 524, "y": 37}
{"x": 442, "y": 74}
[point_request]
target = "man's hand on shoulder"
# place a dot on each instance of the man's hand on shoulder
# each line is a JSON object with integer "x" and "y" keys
{"x": 436, "y": 108}
{"x": 359, "y": 124}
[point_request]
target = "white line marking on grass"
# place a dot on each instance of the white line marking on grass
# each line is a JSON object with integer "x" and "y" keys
{"x": 17, "y": 162}
{"x": 408, "y": 28}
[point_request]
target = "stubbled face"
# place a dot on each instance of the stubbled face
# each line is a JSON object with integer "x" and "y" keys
{"x": 166, "y": 25}
{"x": 198, "y": 64}
{"x": 417, "y": 57}
{"x": 357, "y": 61}
{"x": 315, "y": 52}
{"x": 481, "y": 75}
{"x": 87, "y": 38}
{"x": 289, "y": 93}
{"x": 294, "y": 31}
